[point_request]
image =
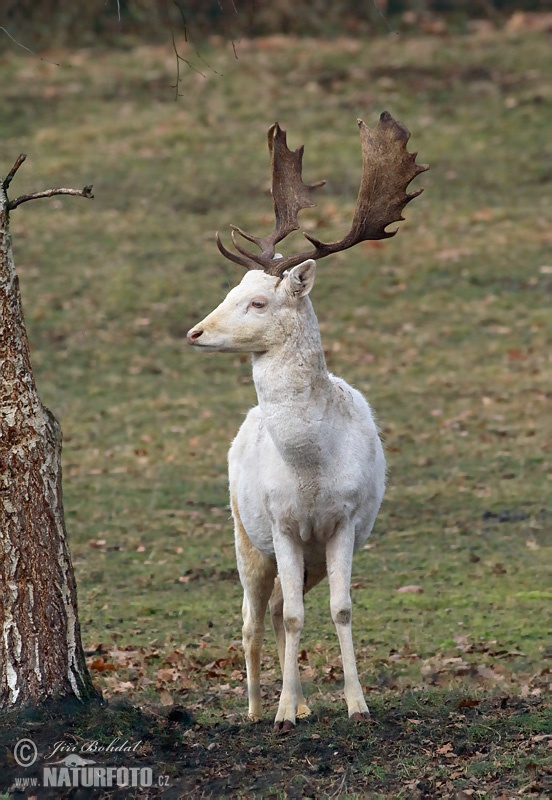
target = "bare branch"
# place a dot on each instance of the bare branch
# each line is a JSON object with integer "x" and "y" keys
{"x": 9, "y": 177}
{"x": 24, "y": 198}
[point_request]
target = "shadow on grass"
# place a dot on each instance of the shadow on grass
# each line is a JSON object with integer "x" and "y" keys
{"x": 417, "y": 744}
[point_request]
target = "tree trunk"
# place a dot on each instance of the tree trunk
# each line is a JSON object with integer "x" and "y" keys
{"x": 41, "y": 655}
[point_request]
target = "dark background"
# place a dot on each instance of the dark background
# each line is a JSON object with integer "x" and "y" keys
{"x": 48, "y": 23}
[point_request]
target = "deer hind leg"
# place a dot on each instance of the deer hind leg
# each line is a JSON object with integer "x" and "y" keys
{"x": 257, "y": 573}
{"x": 339, "y": 559}
{"x": 312, "y": 577}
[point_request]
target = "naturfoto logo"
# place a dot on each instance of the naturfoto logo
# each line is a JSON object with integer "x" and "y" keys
{"x": 72, "y": 769}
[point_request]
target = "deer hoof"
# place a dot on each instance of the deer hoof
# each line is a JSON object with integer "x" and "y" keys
{"x": 358, "y": 716}
{"x": 285, "y": 726}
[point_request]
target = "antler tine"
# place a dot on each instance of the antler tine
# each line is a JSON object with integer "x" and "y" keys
{"x": 243, "y": 262}
{"x": 257, "y": 259}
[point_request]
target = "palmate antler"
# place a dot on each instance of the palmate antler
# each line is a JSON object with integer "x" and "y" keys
{"x": 388, "y": 168}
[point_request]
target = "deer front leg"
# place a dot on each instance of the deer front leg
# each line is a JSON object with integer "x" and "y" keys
{"x": 313, "y": 576}
{"x": 289, "y": 556}
{"x": 339, "y": 559}
{"x": 277, "y": 615}
{"x": 257, "y": 573}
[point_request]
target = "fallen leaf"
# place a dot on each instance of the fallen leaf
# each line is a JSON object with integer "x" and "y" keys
{"x": 410, "y": 589}
{"x": 167, "y": 674}
{"x": 515, "y": 354}
{"x": 99, "y": 665}
{"x": 453, "y": 254}
{"x": 468, "y": 702}
{"x": 123, "y": 686}
{"x": 165, "y": 698}
{"x": 483, "y": 215}
{"x": 500, "y": 330}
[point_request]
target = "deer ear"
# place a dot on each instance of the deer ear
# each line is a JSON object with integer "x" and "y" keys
{"x": 299, "y": 280}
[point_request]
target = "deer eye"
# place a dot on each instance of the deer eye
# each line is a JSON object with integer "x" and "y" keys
{"x": 258, "y": 302}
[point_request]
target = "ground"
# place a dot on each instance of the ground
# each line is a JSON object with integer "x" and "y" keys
{"x": 446, "y": 328}
{"x": 417, "y": 745}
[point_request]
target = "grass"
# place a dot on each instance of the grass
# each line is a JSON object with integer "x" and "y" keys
{"x": 446, "y": 328}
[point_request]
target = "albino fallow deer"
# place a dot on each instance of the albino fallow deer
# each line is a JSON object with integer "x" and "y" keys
{"x": 307, "y": 468}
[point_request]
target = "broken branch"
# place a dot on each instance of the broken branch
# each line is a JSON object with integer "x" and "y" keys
{"x": 9, "y": 177}
{"x": 24, "y": 198}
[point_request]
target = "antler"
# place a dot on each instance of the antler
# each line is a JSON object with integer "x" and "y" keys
{"x": 388, "y": 168}
{"x": 289, "y": 194}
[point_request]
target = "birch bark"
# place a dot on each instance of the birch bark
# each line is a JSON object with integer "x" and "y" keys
{"x": 41, "y": 655}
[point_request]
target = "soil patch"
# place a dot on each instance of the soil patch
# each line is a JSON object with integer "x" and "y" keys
{"x": 416, "y": 745}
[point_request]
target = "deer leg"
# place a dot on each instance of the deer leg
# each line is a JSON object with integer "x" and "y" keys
{"x": 312, "y": 577}
{"x": 257, "y": 573}
{"x": 339, "y": 559}
{"x": 289, "y": 556}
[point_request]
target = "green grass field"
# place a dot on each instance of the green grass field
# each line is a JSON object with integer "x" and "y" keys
{"x": 446, "y": 328}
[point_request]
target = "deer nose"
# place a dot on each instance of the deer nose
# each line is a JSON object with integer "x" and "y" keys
{"x": 193, "y": 335}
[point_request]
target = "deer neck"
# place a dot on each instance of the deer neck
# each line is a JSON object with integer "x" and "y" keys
{"x": 294, "y": 389}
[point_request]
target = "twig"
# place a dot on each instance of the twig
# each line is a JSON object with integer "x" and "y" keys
{"x": 340, "y": 787}
{"x": 186, "y": 39}
{"x": 179, "y": 58}
{"x": 234, "y": 48}
{"x": 28, "y": 49}
{"x": 9, "y": 177}
{"x": 86, "y": 192}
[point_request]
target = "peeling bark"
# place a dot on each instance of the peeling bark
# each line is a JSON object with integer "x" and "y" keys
{"x": 41, "y": 655}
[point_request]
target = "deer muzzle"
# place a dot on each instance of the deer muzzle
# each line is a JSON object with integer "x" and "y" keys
{"x": 193, "y": 335}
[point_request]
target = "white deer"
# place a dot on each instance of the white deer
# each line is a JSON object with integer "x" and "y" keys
{"x": 307, "y": 468}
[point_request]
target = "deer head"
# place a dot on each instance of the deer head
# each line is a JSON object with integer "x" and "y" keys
{"x": 257, "y": 314}
{"x": 277, "y": 284}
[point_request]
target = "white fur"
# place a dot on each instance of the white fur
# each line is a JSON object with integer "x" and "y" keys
{"x": 307, "y": 475}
